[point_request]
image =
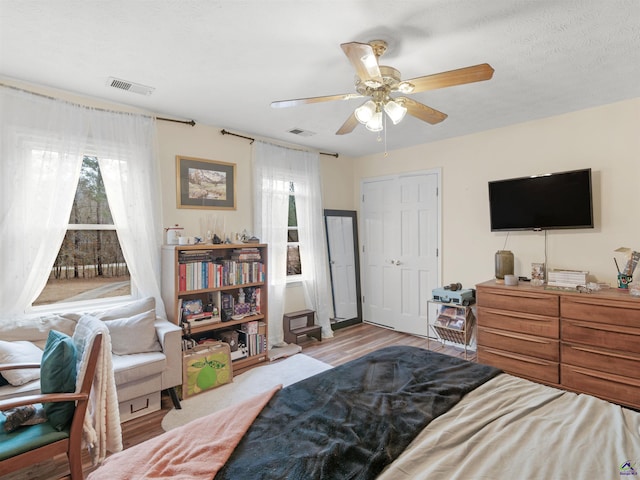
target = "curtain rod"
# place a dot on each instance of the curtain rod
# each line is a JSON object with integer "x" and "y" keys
{"x": 226, "y": 132}
{"x": 49, "y": 97}
{"x": 186, "y": 122}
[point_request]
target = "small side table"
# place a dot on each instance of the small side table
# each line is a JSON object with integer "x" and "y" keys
{"x": 454, "y": 324}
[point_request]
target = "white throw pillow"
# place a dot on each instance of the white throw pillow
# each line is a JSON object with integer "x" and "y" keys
{"x": 136, "y": 334}
{"x": 128, "y": 310}
{"x": 20, "y": 352}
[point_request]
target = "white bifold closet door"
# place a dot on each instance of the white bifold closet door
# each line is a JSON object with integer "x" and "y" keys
{"x": 401, "y": 234}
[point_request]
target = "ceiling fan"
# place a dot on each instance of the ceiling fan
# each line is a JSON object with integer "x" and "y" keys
{"x": 379, "y": 82}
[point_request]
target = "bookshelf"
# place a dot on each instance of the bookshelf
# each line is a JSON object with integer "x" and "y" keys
{"x": 214, "y": 290}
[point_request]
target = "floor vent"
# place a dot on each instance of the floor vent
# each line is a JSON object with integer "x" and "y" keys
{"x": 130, "y": 86}
{"x": 302, "y": 133}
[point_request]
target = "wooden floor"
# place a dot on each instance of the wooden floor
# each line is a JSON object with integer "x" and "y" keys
{"x": 347, "y": 344}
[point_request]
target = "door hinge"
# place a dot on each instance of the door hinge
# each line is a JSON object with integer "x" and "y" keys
{"x": 362, "y": 298}
{"x": 362, "y": 248}
{"x": 437, "y": 252}
{"x": 363, "y": 198}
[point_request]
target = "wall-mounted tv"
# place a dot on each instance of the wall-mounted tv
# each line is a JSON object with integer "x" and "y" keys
{"x": 542, "y": 202}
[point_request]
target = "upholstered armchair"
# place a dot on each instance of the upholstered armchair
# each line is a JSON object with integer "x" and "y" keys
{"x": 67, "y": 375}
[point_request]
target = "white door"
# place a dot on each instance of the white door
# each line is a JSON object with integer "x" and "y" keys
{"x": 343, "y": 268}
{"x": 400, "y": 219}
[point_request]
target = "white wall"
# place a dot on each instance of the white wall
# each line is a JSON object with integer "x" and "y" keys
{"x": 605, "y": 139}
{"x": 208, "y": 143}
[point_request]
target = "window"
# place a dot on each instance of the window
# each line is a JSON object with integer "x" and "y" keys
{"x": 90, "y": 264}
{"x": 294, "y": 266}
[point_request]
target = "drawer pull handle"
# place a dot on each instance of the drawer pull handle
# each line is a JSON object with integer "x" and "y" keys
{"x": 599, "y": 303}
{"x": 599, "y": 352}
{"x": 592, "y": 374}
{"x": 607, "y": 328}
{"x": 519, "y": 337}
{"x": 520, "y": 316}
{"x": 528, "y": 360}
{"x": 139, "y": 409}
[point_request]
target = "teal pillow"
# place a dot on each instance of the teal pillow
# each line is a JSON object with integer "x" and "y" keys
{"x": 58, "y": 375}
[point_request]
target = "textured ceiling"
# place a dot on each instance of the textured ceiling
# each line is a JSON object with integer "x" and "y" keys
{"x": 223, "y": 62}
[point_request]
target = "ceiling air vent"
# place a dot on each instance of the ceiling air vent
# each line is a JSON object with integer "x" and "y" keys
{"x": 302, "y": 133}
{"x": 130, "y": 86}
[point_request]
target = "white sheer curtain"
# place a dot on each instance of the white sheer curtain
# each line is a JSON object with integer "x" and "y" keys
{"x": 314, "y": 256}
{"x": 126, "y": 147}
{"x": 274, "y": 168}
{"x": 42, "y": 142}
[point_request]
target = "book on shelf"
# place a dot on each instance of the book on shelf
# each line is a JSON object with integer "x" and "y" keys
{"x": 197, "y": 316}
{"x": 179, "y": 311}
{"x": 246, "y": 254}
{"x": 199, "y": 275}
{"x": 197, "y": 322}
{"x": 256, "y": 343}
{"x": 250, "y": 327}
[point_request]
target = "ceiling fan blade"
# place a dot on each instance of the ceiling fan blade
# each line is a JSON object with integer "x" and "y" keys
{"x": 364, "y": 60}
{"x": 302, "y": 101}
{"x": 421, "y": 111}
{"x": 477, "y": 73}
{"x": 349, "y": 125}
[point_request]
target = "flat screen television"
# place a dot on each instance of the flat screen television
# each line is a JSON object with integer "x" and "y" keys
{"x": 542, "y": 202}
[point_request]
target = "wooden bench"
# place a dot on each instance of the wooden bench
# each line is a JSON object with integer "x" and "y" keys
{"x": 292, "y": 335}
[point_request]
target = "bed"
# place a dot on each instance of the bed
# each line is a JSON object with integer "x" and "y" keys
{"x": 398, "y": 413}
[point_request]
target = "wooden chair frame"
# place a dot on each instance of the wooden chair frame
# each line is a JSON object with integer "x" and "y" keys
{"x": 71, "y": 446}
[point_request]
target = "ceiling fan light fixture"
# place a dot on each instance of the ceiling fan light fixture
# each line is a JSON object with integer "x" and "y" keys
{"x": 365, "y": 111}
{"x": 375, "y": 123}
{"x": 395, "y": 111}
{"x": 406, "y": 87}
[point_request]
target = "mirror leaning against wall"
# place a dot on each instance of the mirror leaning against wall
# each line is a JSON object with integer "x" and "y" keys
{"x": 344, "y": 265}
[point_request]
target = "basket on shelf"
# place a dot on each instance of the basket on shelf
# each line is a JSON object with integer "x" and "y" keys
{"x": 455, "y": 324}
{"x": 462, "y": 337}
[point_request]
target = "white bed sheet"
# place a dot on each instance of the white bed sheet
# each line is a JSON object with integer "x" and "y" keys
{"x": 510, "y": 428}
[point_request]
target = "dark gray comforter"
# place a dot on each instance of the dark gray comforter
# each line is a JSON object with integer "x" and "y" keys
{"x": 353, "y": 420}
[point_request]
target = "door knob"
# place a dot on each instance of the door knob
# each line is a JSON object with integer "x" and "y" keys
{"x": 398, "y": 262}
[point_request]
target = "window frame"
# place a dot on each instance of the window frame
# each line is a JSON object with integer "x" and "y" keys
{"x": 90, "y": 303}
{"x": 293, "y": 278}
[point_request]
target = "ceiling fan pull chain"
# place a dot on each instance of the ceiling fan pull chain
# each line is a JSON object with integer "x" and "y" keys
{"x": 386, "y": 154}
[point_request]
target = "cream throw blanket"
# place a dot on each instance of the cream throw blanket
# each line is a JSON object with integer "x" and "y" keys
{"x": 102, "y": 431}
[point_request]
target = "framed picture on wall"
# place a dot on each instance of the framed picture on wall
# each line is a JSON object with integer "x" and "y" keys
{"x": 205, "y": 183}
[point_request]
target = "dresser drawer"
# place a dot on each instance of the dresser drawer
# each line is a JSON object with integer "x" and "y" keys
{"x": 616, "y": 388}
{"x": 615, "y": 337}
{"x": 520, "y": 365}
{"x": 597, "y": 309}
{"x": 519, "y": 301}
{"x": 526, "y": 323}
{"x": 600, "y": 359}
{"x": 539, "y": 347}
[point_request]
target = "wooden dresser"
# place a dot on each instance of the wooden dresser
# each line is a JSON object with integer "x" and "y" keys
{"x": 584, "y": 342}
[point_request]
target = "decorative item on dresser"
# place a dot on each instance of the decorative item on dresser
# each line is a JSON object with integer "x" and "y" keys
{"x": 584, "y": 342}
{"x": 504, "y": 264}
{"x": 230, "y": 282}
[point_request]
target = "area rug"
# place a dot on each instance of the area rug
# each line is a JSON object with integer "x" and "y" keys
{"x": 244, "y": 386}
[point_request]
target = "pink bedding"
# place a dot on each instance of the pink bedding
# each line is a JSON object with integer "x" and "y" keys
{"x": 194, "y": 451}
